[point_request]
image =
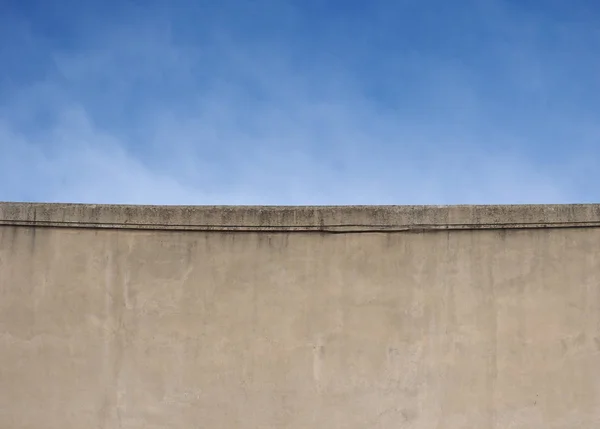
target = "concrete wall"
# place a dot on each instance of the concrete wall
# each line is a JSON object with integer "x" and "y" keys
{"x": 356, "y": 317}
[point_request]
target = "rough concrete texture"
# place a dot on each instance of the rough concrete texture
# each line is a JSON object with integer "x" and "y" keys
{"x": 392, "y": 322}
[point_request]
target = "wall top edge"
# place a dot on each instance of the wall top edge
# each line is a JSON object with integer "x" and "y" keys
{"x": 300, "y": 218}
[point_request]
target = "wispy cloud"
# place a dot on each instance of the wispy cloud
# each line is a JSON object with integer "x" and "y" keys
{"x": 236, "y": 108}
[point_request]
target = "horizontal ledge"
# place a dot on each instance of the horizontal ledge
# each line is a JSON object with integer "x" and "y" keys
{"x": 334, "y": 219}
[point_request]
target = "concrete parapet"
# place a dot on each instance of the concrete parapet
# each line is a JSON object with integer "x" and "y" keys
{"x": 302, "y": 218}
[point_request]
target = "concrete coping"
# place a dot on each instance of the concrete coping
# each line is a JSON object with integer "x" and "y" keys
{"x": 300, "y": 218}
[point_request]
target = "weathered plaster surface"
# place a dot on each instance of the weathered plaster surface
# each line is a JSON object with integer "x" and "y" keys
{"x": 412, "y": 326}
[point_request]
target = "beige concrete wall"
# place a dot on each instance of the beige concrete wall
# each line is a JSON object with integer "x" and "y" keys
{"x": 424, "y": 318}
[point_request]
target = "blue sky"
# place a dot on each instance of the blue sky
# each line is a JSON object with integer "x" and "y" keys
{"x": 300, "y": 101}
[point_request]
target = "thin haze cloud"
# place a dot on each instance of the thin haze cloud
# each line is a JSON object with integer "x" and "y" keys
{"x": 298, "y": 103}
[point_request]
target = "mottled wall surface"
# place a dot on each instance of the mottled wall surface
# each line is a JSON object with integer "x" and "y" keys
{"x": 116, "y": 328}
